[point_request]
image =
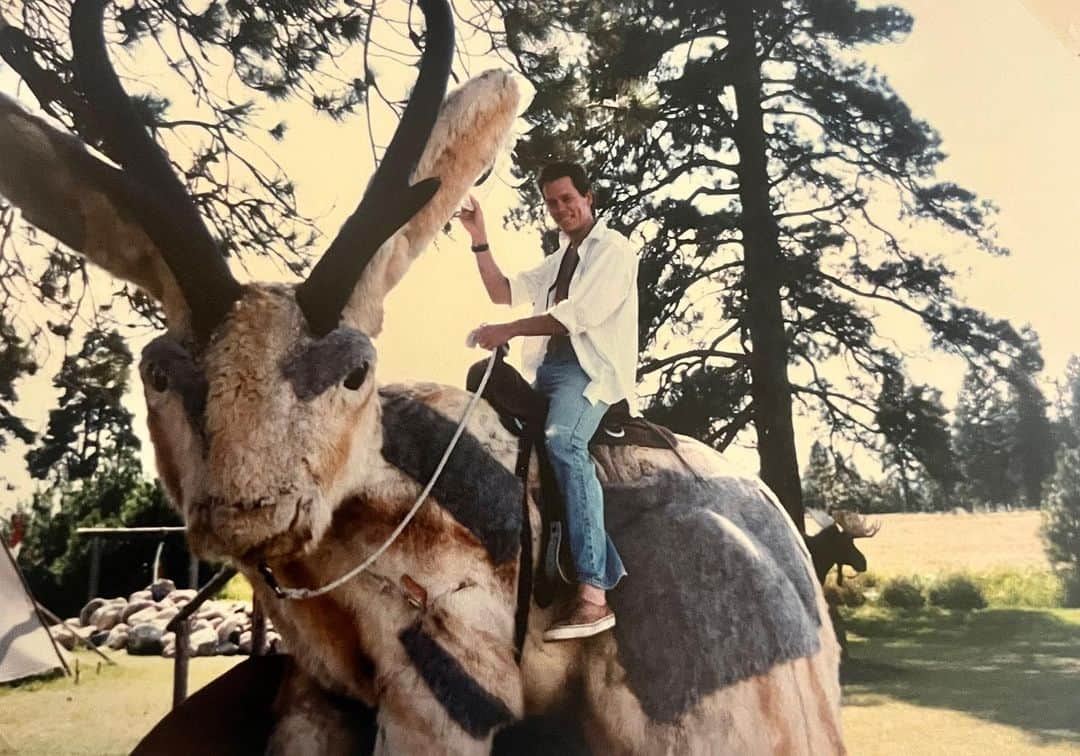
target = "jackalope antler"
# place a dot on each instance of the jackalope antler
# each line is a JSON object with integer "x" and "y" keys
{"x": 169, "y": 216}
{"x": 149, "y": 184}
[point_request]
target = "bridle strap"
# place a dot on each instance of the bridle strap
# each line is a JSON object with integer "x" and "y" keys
{"x": 305, "y": 593}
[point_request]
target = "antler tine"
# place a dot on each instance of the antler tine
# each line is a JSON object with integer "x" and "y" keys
{"x": 172, "y": 221}
{"x": 389, "y": 201}
{"x": 855, "y": 525}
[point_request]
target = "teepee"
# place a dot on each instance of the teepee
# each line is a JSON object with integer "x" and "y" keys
{"x": 26, "y": 648}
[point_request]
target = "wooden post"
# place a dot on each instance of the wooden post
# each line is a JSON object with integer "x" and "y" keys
{"x": 179, "y": 625}
{"x": 258, "y": 628}
{"x": 180, "y": 669}
{"x": 95, "y": 567}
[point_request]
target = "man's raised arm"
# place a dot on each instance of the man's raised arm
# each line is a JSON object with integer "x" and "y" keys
{"x": 496, "y": 283}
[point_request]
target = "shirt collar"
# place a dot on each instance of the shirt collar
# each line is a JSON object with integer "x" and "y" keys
{"x": 597, "y": 232}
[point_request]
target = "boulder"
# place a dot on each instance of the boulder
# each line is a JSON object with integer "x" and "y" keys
{"x": 108, "y": 616}
{"x": 227, "y": 649}
{"x": 91, "y": 606}
{"x": 143, "y": 615}
{"x": 203, "y": 642}
{"x": 168, "y": 613}
{"x": 161, "y": 588}
{"x": 63, "y": 636}
{"x": 118, "y": 637}
{"x": 144, "y": 640}
{"x": 231, "y": 627}
{"x": 143, "y": 595}
{"x": 134, "y": 607}
{"x": 169, "y": 649}
{"x": 245, "y": 642}
{"x": 85, "y": 632}
{"x": 99, "y": 637}
{"x": 212, "y": 617}
{"x": 182, "y": 594}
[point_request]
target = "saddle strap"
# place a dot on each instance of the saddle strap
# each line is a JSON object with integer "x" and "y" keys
{"x": 525, "y": 558}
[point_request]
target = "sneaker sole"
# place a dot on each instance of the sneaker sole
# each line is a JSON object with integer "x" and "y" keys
{"x": 569, "y": 632}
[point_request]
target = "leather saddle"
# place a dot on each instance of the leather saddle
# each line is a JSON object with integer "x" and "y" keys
{"x": 522, "y": 410}
{"x": 520, "y": 406}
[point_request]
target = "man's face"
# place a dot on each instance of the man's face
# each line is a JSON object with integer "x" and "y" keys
{"x": 569, "y": 208}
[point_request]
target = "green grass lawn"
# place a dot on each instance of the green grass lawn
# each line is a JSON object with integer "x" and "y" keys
{"x": 106, "y": 712}
{"x": 1000, "y": 681}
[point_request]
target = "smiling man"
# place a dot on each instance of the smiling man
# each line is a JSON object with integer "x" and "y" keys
{"x": 583, "y": 351}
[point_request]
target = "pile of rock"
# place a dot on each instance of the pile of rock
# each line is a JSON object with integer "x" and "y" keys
{"x": 138, "y": 622}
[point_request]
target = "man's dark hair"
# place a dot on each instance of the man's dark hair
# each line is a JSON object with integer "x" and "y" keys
{"x": 577, "y": 175}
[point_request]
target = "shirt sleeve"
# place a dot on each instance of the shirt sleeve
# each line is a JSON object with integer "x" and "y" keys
{"x": 600, "y": 291}
{"x": 530, "y": 285}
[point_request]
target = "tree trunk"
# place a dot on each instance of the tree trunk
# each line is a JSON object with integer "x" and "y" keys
{"x": 770, "y": 389}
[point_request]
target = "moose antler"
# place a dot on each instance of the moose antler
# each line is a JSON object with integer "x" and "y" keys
{"x": 389, "y": 201}
{"x": 854, "y": 524}
{"x": 161, "y": 201}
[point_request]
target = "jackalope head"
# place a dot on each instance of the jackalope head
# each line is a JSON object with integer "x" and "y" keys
{"x": 261, "y": 398}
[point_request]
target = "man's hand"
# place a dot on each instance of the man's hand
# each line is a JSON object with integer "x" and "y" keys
{"x": 492, "y": 336}
{"x": 472, "y": 220}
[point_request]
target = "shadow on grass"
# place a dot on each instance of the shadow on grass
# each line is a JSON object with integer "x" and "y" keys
{"x": 1015, "y": 667}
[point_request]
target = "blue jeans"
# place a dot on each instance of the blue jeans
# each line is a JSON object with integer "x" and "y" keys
{"x": 571, "y": 422}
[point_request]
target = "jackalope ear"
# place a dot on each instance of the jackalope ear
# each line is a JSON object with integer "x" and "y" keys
{"x": 83, "y": 202}
{"x": 473, "y": 126}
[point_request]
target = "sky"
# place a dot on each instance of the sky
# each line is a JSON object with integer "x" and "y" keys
{"x": 999, "y": 83}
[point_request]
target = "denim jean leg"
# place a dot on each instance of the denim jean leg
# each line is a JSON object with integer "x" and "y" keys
{"x": 571, "y": 422}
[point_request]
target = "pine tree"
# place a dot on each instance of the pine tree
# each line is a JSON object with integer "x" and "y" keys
{"x": 744, "y": 144}
{"x": 90, "y": 428}
{"x": 15, "y": 361}
{"x": 1061, "y": 523}
{"x": 917, "y": 439}
{"x": 817, "y": 478}
{"x": 983, "y": 442}
{"x": 1066, "y": 426}
{"x": 832, "y": 482}
{"x": 1061, "y": 514}
{"x": 1032, "y": 448}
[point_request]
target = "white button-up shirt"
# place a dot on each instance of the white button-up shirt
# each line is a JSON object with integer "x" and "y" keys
{"x": 600, "y": 312}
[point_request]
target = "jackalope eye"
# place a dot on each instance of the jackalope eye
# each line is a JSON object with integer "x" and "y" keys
{"x": 157, "y": 378}
{"x": 355, "y": 379}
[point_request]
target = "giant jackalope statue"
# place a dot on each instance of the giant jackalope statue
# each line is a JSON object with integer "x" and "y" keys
{"x": 274, "y": 441}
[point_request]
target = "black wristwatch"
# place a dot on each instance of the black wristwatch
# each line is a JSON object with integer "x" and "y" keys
{"x": 478, "y": 248}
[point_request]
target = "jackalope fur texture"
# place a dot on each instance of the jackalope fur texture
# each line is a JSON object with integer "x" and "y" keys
{"x": 277, "y": 445}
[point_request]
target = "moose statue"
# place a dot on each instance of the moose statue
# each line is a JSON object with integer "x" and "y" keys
{"x": 834, "y": 545}
{"x": 288, "y": 460}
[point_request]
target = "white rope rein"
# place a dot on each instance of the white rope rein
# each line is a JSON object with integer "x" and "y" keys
{"x": 304, "y": 593}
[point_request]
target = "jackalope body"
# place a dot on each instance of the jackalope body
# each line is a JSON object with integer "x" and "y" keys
{"x": 275, "y": 442}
